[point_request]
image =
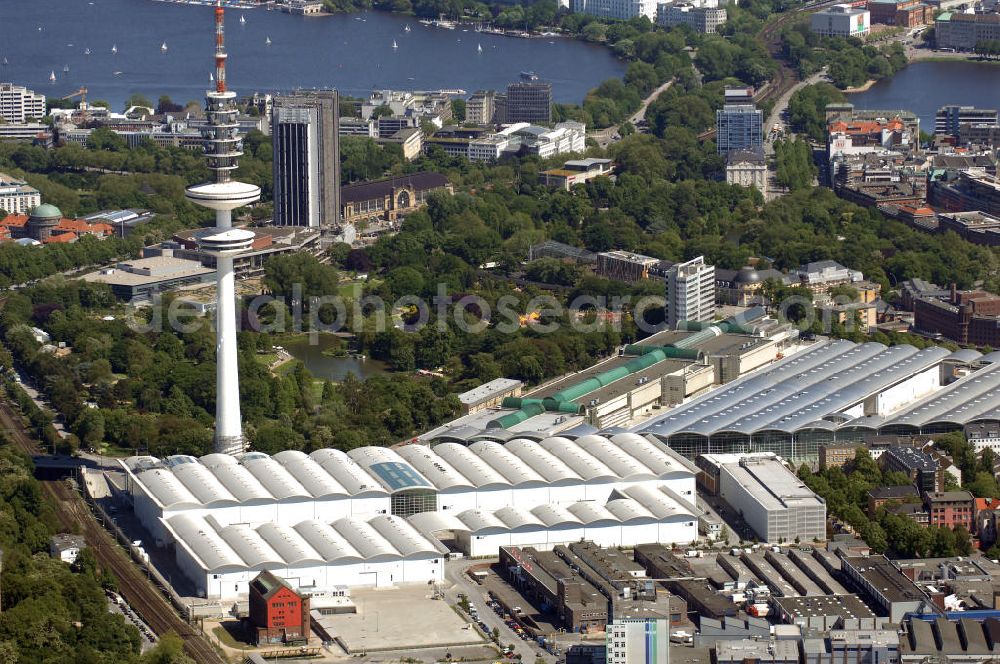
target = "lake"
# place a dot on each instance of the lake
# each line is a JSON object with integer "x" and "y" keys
{"x": 924, "y": 87}
{"x": 326, "y": 366}
{"x": 351, "y": 52}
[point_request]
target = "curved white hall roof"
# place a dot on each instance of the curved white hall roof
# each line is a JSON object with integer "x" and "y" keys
{"x": 816, "y": 388}
{"x": 291, "y": 476}
{"x": 240, "y": 547}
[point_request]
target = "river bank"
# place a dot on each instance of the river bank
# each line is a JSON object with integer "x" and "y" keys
{"x": 274, "y": 52}
{"x": 926, "y": 85}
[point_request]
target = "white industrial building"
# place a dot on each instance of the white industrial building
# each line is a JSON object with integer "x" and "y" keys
{"x": 841, "y": 21}
{"x": 382, "y": 551}
{"x": 836, "y": 391}
{"x": 775, "y": 503}
{"x": 619, "y": 9}
{"x": 621, "y": 490}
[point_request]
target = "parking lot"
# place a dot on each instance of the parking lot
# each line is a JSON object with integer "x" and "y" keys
{"x": 401, "y": 618}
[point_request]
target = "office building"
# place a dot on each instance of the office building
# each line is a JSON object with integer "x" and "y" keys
{"x": 966, "y": 191}
{"x": 637, "y": 640}
{"x": 480, "y": 107}
{"x": 617, "y": 9}
{"x": 16, "y": 197}
{"x": 306, "y": 140}
{"x": 705, "y": 20}
{"x": 918, "y": 465}
{"x": 950, "y": 118}
{"x": 141, "y": 278}
{"x": 18, "y": 104}
{"x": 961, "y": 31}
{"x": 577, "y": 171}
{"x": 625, "y": 265}
{"x": 983, "y": 436}
{"x": 747, "y": 168}
{"x": 976, "y": 227}
{"x": 529, "y": 102}
{"x": 841, "y": 21}
{"x": 948, "y": 509}
{"x": 773, "y": 501}
{"x": 739, "y": 125}
{"x": 690, "y": 292}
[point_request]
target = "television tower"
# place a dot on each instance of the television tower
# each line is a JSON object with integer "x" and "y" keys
{"x": 223, "y": 147}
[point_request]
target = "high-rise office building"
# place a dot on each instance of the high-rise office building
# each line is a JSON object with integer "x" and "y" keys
{"x": 305, "y": 135}
{"x": 18, "y": 103}
{"x": 638, "y": 641}
{"x": 529, "y": 102}
{"x": 479, "y": 109}
{"x": 739, "y": 124}
{"x": 950, "y": 118}
{"x": 690, "y": 292}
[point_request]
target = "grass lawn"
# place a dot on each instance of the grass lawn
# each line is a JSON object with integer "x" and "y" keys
{"x": 265, "y": 359}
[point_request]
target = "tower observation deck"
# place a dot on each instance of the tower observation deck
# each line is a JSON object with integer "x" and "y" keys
{"x": 223, "y": 148}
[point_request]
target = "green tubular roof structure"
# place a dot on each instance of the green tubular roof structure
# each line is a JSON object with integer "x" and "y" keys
{"x": 645, "y": 357}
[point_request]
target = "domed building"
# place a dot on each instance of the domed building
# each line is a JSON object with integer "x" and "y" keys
{"x": 45, "y": 224}
{"x": 741, "y": 287}
{"x": 41, "y": 221}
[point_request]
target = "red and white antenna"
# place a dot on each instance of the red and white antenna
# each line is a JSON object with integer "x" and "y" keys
{"x": 220, "y": 48}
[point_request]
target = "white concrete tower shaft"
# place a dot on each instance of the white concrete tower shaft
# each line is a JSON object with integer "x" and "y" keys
{"x": 223, "y": 147}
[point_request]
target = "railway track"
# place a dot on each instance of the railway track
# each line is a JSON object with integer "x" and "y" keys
{"x": 73, "y": 514}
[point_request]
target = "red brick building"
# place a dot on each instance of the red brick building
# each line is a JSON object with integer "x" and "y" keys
{"x": 904, "y": 13}
{"x": 951, "y": 508}
{"x": 277, "y": 613}
{"x": 968, "y": 317}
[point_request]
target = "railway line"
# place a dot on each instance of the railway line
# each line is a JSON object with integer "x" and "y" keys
{"x": 73, "y": 514}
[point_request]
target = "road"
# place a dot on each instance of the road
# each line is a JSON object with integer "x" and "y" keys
{"x": 777, "y": 116}
{"x": 640, "y": 115}
{"x": 74, "y": 516}
{"x": 609, "y": 135}
{"x": 461, "y": 583}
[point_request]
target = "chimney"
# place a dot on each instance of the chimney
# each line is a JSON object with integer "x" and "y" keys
{"x": 954, "y": 293}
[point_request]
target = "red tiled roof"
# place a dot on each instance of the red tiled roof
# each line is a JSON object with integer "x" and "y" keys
{"x": 62, "y": 238}
{"x": 987, "y": 504}
{"x": 14, "y": 221}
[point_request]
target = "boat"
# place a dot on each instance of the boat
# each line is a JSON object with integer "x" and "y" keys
{"x": 406, "y": 28}
{"x": 114, "y": 49}
{"x": 52, "y": 76}
{"x": 211, "y": 77}
{"x": 479, "y": 48}
{"x": 529, "y": 75}
{"x": 243, "y": 19}
{"x": 163, "y": 47}
{"x": 5, "y": 63}
{"x": 267, "y": 41}
{"x": 117, "y": 73}
{"x": 394, "y": 44}
{"x": 86, "y": 51}
{"x": 65, "y": 69}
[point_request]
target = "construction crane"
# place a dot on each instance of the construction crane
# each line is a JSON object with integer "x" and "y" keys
{"x": 82, "y": 94}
